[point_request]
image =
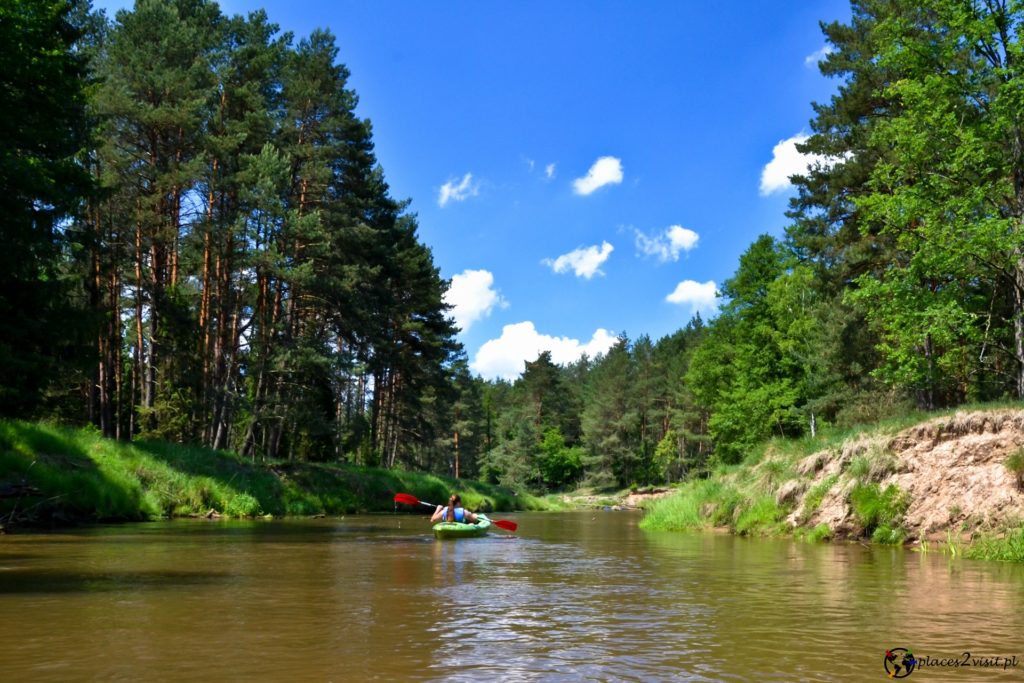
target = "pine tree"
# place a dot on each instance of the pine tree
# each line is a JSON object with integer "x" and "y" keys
{"x": 156, "y": 93}
{"x": 241, "y": 185}
{"x": 43, "y": 130}
{"x": 611, "y": 420}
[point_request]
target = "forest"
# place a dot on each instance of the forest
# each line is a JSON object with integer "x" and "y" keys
{"x": 200, "y": 246}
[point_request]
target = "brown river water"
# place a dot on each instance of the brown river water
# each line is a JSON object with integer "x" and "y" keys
{"x": 581, "y": 596}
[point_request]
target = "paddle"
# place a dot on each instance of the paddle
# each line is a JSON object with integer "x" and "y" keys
{"x": 505, "y": 524}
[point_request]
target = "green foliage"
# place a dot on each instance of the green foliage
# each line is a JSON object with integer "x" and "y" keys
{"x": 242, "y": 505}
{"x": 880, "y": 512}
{"x": 712, "y": 502}
{"x": 666, "y": 455}
{"x": 748, "y": 370}
{"x": 250, "y": 281}
{"x": 859, "y": 468}
{"x": 612, "y": 420}
{"x": 762, "y": 516}
{"x": 82, "y": 476}
{"x": 888, "y": 535}
{"x": 772, "y": 472}
{"x": 941, "y": 196}
{"x": 698, "y": 504}
{"x": 1015, "y": 464}
{"x": 1008, "y": 547}
{"x": 42, "y": 78}
{"x": 560, "y": 465}
{"x": 812, "y": 501}
{"x": 821, "y": 532}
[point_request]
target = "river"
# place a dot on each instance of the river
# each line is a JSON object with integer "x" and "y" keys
{"x": 571, "y": 596}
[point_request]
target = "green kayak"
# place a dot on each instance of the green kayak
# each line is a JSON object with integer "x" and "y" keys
{"x": 460, "y": 530}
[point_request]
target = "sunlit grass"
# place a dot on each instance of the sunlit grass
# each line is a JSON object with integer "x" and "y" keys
{"x": 1008, "y": 547}
{"x": 762, "y": 516}
{"x": 78, "y": 475}
{"x": 880, "y": 511}
{"x": 747, "y": 497}
{"x": 698, "y": 504}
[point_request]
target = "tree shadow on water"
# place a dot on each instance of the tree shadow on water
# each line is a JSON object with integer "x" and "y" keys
{"x": 49, "y": 582}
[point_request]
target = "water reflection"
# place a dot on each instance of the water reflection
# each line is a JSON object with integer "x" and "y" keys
{"x": 571, "y": 597}
{"x": 28, "y": 582}
{"x": 783, "y": 608}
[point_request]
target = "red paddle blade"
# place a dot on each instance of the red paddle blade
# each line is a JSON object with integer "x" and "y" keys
{"x": 406, "y": 498}
{"x": 506, "y": 524}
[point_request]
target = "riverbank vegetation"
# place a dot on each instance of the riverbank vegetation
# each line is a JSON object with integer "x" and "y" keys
{"x": 946, "y": 481}
{"x": 57, "y": 475}
{"x": 201, "y": 248}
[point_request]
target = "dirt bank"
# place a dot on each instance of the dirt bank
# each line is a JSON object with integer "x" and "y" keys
{"x": 629, "y": 500}
{"x": 952, "y": 471}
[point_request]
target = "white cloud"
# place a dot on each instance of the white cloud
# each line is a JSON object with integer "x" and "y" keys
{"x": 585, "y": 261}
{"x": 520, "y": 342}
{"x": 787, "y": 161}
{"x": 812, "y": 59}
{"x": 549, "y": 171}
{"x": 605, "y": 171}
{"x": 458, "y": 193}
{"x": 667, "y": 246}
{"x": 472, "y": 297}
{"x": 700, "y": 296}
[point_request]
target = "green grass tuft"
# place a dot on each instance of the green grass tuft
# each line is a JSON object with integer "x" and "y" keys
{"x": 1015, "y": 463}
{"x": 762, "y": 517}
{"x": 812, "y": 501}
{"x": 1006, "y": 548}
{"x": 880, "y": 512}
{"x": 822, "y": 532}
{"x": 699, "y": 504}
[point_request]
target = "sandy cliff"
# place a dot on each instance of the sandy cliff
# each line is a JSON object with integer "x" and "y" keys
{"x": 952, "y": 469}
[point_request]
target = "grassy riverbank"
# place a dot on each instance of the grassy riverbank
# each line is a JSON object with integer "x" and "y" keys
{"x": 951, "y": 481}
{"x": 51, "y": 474}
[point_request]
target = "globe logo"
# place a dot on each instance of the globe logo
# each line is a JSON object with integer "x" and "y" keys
{"x": 899, "y": 662}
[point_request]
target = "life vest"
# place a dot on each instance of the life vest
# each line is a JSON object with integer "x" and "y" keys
{"x": 460, "y": 514}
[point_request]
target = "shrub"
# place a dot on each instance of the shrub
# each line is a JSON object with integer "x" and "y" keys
{"x": 880, "y": 511}
{"x": 242, "y": 505}
{"x": 1015, "y": 463}
{"x": 888, "y": 535}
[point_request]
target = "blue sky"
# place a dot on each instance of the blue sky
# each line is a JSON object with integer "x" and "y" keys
{"x": 580, "y": 169}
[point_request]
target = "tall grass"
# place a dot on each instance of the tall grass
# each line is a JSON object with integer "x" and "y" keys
{"x": 713, "y": 503}
{"x": 1015, "y": 464}
{"x": 814, "y": 497}
{"x": 1006, "y": 548}
{"x": 880, "y": 512}
{"x": 699, "y": 504}
{"x": 761, "y": 516}
{"x": 746, "y": 497}
{"x": 75, "y": 474}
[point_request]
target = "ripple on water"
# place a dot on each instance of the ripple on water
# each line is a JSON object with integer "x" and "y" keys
{"x": 572, "y": 597}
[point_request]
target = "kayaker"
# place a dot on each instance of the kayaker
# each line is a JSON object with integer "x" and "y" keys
{"x": 460, "y": 514}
